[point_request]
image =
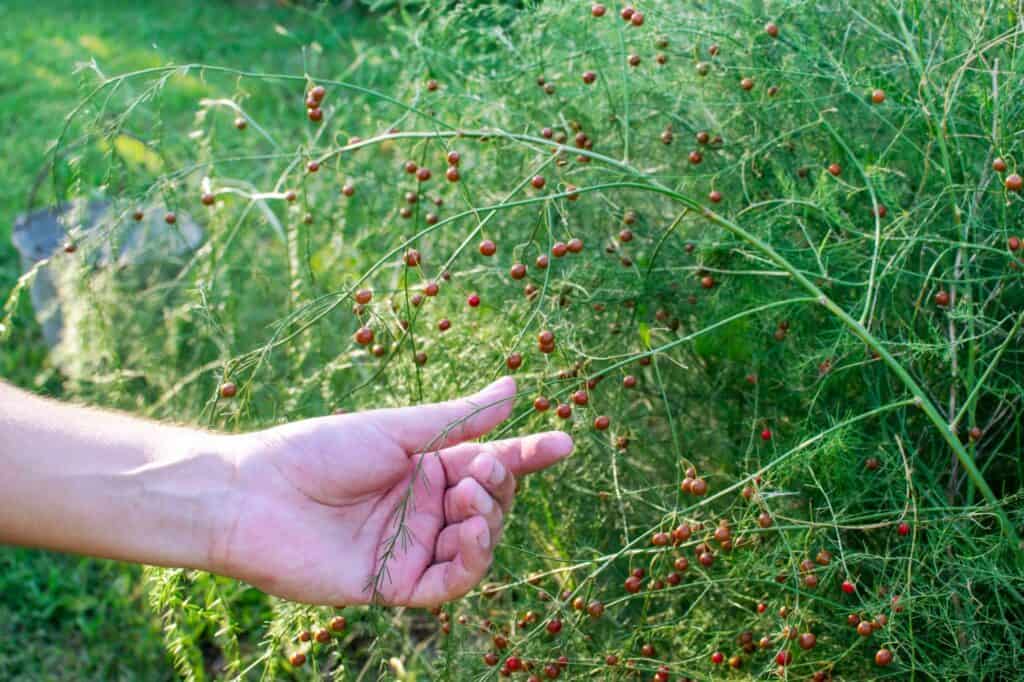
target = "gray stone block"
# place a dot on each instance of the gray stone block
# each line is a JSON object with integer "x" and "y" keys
{"x": 110, "y": 239}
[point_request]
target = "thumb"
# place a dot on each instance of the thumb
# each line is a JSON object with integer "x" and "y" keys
{"x": 439, "y": 425}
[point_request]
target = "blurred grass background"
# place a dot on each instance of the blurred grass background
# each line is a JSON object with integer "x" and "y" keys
{"x": 64, "y": 617}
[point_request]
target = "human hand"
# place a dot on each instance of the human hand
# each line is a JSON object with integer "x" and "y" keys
{"x": 318, "y": 503}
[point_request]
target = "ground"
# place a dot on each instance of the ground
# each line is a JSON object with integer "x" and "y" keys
{"x": 62, "y": 617}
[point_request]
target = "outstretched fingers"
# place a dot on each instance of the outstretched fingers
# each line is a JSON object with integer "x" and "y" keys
{"x": 518, "y": 456}
{"x": 448, "y": 580}
{"x": 438, "y": 425}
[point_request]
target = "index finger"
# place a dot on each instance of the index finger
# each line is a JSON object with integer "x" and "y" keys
{"x": 518, "y": 455}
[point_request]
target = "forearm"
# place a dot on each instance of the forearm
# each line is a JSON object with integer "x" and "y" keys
{"x": 92, "y": 482}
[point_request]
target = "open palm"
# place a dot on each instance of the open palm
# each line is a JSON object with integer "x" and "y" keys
{"x": 393, "y": 505}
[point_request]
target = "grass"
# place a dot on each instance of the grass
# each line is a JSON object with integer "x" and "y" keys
{"x": 64, "y": 617}
{"x": 46, "y": 47}
{"x": 780, "y": 343}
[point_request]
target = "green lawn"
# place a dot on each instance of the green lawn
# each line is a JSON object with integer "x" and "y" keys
{"x": 45, "y": 48}
{"x": 62, "y": 617}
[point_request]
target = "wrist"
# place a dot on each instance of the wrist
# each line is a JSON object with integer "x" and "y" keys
{"x": 190, "y": 492}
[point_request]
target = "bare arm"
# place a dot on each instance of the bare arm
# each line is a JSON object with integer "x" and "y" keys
{"x": 304, "y": 511}
{"x": 93, "y": 482}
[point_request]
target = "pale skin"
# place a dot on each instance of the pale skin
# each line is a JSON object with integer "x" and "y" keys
{"x": 303, "y": 511}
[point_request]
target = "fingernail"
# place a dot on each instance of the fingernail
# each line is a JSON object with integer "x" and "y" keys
{"x": 495, "y": 385}
{"x": 498, "y": 474}
{"x": 558, "y": 444}
{"x": 483, "y": 504}
{"x": 484, "y": 538}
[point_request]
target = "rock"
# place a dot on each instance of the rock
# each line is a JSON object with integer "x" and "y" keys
{"x": 107, "y": 237}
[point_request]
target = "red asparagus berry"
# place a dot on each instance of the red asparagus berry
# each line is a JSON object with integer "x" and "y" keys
{"x": 364, "y": 336}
